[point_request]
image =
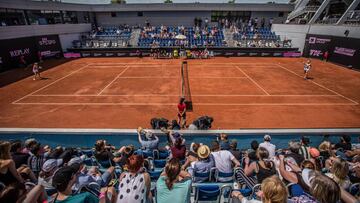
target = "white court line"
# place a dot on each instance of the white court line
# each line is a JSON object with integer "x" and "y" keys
{"x": 122, "y": 72}
{"x": 147, "y": 77}
{"x": 252, "y": 80}
{"x": 172, "y": 95}
{"x": 322, "y": 86}
{"x": 51, "y": 83}
{"x": 196, "y": 104}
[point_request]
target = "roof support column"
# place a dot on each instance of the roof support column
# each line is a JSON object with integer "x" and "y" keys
{"x": 319, "y": 11}
{"x": 352, "y": 6}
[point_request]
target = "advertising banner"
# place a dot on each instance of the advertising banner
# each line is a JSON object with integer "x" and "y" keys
{"x": 316, "y": 45}
{"x": 12, "y": 49}
{"x": 48, "y": 46}
{"x": 346, "y": 51}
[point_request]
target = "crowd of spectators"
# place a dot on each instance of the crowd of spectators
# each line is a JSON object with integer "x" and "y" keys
{"x": 170, "y": 36}
{"x": 106, "y": 37}
{"x": 253, "y": 35}
{"x": 166, "y": 172}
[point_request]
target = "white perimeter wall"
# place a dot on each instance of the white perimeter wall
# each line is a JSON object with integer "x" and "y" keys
{"x": 67, "y": 32}
{"x": 297, "y": 33}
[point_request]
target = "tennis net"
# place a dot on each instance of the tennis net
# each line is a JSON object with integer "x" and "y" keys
{"x": 185, "y": 86}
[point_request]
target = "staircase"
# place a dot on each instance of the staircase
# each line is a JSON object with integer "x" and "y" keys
{"x": 134, "y": 38}
{"x": 228, "y": 37}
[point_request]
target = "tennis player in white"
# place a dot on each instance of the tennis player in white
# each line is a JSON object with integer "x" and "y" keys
{"x": 307, "y": 67}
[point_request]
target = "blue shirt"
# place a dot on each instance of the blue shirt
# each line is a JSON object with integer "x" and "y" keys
{"x": 180, "y": 192}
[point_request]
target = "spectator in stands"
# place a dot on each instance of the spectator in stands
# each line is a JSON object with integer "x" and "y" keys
{"x": 85, "y": 177}
{"x": 151, "y": 141}
{"x": 16, "y": 153}
{"x": 263, "y": 169}
{"x": 294, "y": 175}
{"x": 56, "y": 153}
{"x": 36, "y": 160}
{"x": 304, "y": 149}
{"x": 338, "y": 171}
{"x": 134, "y": 185}
{"x": 17, "y": 192}
{"x": 191, "y": 155}
{"x": 273, "y": 190}
{"x": 223, "y": 160}
{"x": 178, "y": 150}
{"x": 28, "y": 144}
{"x": 268, "y": 146}
{"x": 252, "y": 152}
{"x": 234, "y": 150}
{"x": 174, "y": 184}
{"x": 8, "y": 172}
{"x": 22, "y": 62}
{"x": 223, "y": 141}
{"x": 294, "y": 148}
{"x": 345, "y": 143}
{"x": 324, "y": 189}
{"x": 204, "y": 164}
{"x": 325, "y": 150}
{"x": 47, "y": 173}
{"x": 102, "y": 152}
{"x": 63, "y": 181}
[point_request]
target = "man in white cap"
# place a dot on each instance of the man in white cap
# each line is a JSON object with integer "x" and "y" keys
{"x": 47, "y": 172}
{"x": 268, "y": 146}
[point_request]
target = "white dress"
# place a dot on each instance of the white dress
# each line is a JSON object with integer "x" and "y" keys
{"x": 132, "y": 189}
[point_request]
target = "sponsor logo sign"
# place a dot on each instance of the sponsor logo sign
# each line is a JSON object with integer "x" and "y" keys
{"x": 292, "y": 54}
{"x": 344, "y": 51}
{"x": 121, "y": 54}
{"x": 109, "y": 54}
{"x": 277, "y": 54}
{"x": 97, "y": 54}
{"x": 317, "y": 40}
{"x": 72, "y": 55}
{"x": 18, "y": 52}
{"x": 85, "y": 54}
{"x": 265, "y": 54}
{"x": 229, "y": 53}
{"x": 314, "y": 52}
{"x": 46, "y": 42}
{"x": 253, "y": 54}
{"x": 241, "y": 54}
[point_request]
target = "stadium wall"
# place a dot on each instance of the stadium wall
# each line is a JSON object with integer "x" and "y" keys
{"x": 168, "y": 18}
{"x": 297, "y": 33}
{"x": 12, "y": 32}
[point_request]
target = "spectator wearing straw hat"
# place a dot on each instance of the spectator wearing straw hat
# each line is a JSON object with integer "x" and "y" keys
{"x": 204, "y": 164}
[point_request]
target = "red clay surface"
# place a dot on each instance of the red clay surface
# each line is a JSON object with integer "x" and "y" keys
{"x": 237, "y": 92}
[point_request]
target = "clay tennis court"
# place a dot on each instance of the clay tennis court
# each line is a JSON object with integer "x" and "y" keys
{"x": 237, "y": 92}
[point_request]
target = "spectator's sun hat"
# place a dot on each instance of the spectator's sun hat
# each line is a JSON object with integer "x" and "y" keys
{"x": 51, "y": 164}
{"x": 307, "y": 176}
{"x": 76, "y": 160}
{"x": 267, "y": 138}
{"x": 314, "y": 152}
{"x": 203, "y": 151}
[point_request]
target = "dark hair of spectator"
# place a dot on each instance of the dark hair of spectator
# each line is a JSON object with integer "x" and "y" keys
{"x": 13, "y": 193}
{"x": 215, "y": 145}
{"x": 15, "y": 146}
{"x": 254, "y": 145}
{"x": 134, "y": 163}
